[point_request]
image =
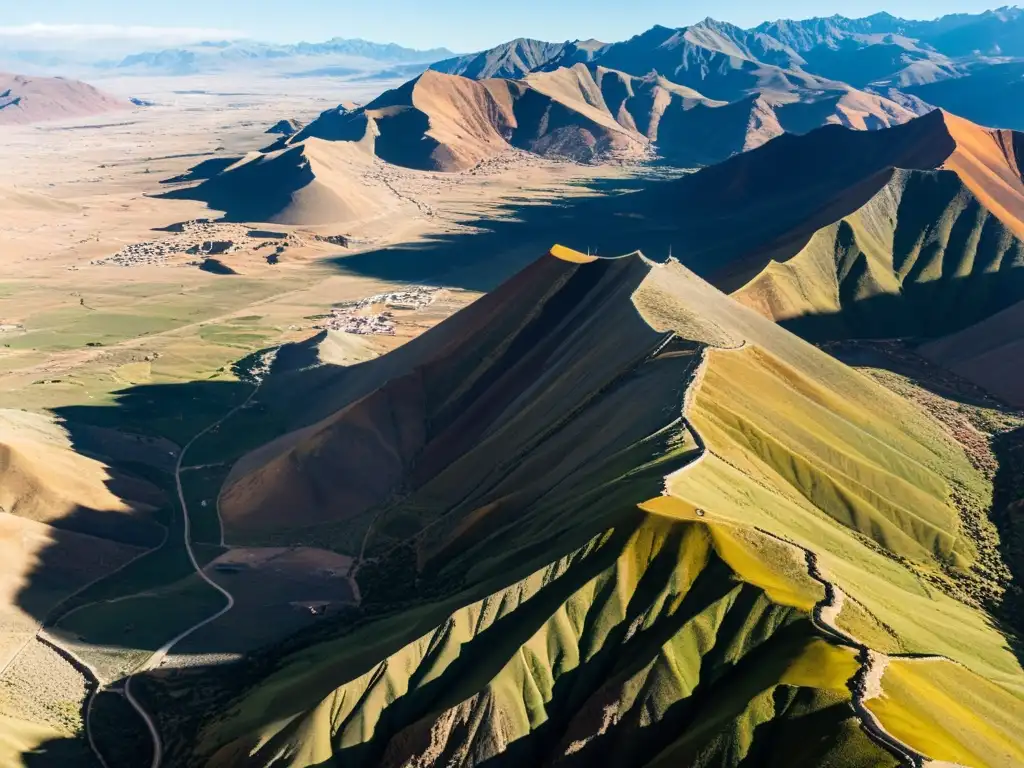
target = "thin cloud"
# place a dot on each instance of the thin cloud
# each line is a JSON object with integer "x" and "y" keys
{"x": 89, "y": 32}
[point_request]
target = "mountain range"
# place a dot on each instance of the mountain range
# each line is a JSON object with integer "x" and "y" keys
{"x": 611, "y": 515}
{"x": 965, "y": 63}
{"x": 586, "y": 113}
{"x": 25, "y": 99}
{"x": 337, "y": 56}
{"x": 689, "y": 96}
{"x": 745, "y": 492}
{"x": 349, "y": 56}
{"x": 620, "y": 510}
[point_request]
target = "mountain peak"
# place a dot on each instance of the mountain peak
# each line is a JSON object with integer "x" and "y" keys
{"x": 712, "y": 23}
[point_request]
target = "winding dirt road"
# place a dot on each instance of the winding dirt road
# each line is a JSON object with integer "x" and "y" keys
{"x": 161, "y": 653}
{"x": 867, "y": 682}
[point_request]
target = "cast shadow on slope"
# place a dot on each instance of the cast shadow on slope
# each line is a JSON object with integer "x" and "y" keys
{"x": 1008, "y": 516}
{"x": 724, "y": 688}
{"x": 59, "y": 752}
{"x": 86, "y": 544}
{"x": 921, "y": 311}
{"x": 697, "y": 218}
{"x": 171, "y": 412}
{"x": 486, "y": 251}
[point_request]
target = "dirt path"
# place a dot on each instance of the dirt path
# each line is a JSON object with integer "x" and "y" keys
{"x": 47, "y": 620}
{"x": 161, "y": 653}
{"x": 867, "y": 682}
{"x": 92, "y": 678}
{"x": 59, "y": 361}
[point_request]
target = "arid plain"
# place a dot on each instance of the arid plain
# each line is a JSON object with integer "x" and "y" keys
{"x": 105, "y": 290}
{"x": 99, "y": 293}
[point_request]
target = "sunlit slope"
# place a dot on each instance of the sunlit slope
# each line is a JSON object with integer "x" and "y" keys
{"x": 43, "y": 479}
{"x": 927, "y": 245}
{"x": 833, "y": 453}
{"x": 20, "y": 742}
{"x": 644, "y": 647}
{"x": 990, "y": 163}
{"x": 566, "y": 569}
{"x": 451, "y": 123}
{"x": 316, "y": 182}
{"x": 951, "y": 714}
{"x": 921, "y": 258}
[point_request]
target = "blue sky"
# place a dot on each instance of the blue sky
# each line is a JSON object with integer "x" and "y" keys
{"x": 457, "y": 24}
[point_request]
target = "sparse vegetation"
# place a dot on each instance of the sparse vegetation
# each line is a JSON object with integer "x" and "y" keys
{"x": 43, "y": 687}
{"x": 604, "y": 515}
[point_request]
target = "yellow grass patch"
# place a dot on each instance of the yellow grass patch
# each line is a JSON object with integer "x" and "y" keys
{"x": 568, "y": 254}
{"x": 949, "y": 713}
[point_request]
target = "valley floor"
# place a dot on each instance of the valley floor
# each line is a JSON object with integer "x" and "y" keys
{"x": 124, "y": 314}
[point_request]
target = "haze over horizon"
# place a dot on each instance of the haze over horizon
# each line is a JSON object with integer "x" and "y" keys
{"x": 124, "y": 24}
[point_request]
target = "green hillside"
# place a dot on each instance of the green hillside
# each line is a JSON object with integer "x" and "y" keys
{"x": 637, "y": 523}
{"x": 922, "y": 258}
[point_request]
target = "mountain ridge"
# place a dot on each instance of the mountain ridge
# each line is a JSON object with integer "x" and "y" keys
{"x": 881, "y": 51}
{"x": 586, "y": 113}
{"x": 493, "y": 604}
{"x": 28, "y": 99}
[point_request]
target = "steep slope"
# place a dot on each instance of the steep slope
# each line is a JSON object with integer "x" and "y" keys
{"x": 874, "y": 49}
{"x": 512, "y": 59}
{"x": 717, "y": 59}
{"x": 26, "y": 99}
{"x": 989, "y": 353}
{"x": 961, "y": 62}
{"x": 315, "y": 182}
{"x": 864, "y": 249}
{"x": 998, "y": 32}
{"x": 896, "y": 61}
{"x": 833, "y": 31}
{"x": 589, "y": 521}
{"x": 445, "y": 122}
{"x": 992, "y": 32}
{"x": 928, "y": 254}
{"x": 687, "y": 128}
{"x": 585, "y": 112}
{"x": 728, "y": 63}
{"x": 922, "y": 257}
